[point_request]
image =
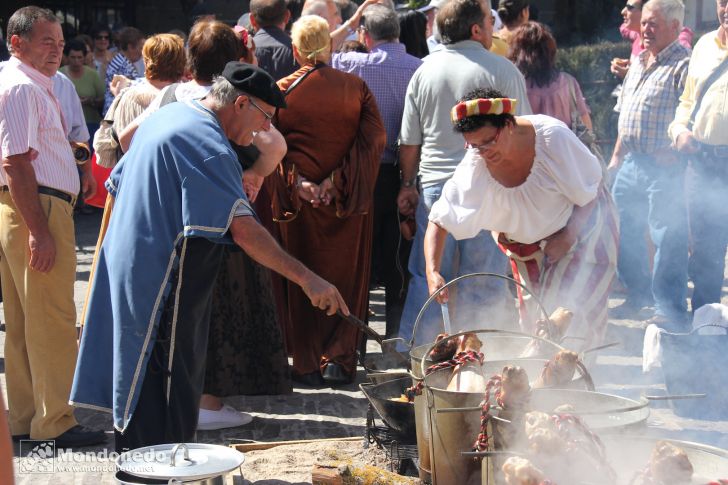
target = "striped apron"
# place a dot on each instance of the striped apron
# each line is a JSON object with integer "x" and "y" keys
{"x": 580, "y": 281}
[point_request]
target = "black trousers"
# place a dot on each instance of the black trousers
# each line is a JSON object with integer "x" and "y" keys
{"x": 157, "y": 418}
{"x": 390, "y": 252}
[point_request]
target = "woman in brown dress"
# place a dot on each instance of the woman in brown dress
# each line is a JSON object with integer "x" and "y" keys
{"x": 323, "y": 198}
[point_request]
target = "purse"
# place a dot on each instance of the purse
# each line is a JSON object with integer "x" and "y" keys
{"x": 582, "y": 132}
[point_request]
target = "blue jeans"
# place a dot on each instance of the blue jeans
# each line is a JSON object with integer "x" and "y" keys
{"x": 651, "y": 197}
{"x": 708, "y": 205}
{"x": 479, "y": 254}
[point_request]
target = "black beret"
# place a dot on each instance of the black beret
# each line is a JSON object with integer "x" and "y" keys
{"x": 255, "y": 82}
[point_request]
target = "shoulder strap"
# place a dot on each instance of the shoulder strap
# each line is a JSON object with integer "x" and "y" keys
{"x": 703, "y": 88}
{"x": 300, "y": 79}
{"x": 572, "y": 93}
{"x": 170, "y": 95}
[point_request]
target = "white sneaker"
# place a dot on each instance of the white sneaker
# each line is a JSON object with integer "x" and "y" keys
{"x": 225, "y": 417}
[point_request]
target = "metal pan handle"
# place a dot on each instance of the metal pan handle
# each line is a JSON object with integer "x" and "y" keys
{"x": 673, "y": 397}
{"x": 473, "y": 275}
{"x": 173, "y": 455}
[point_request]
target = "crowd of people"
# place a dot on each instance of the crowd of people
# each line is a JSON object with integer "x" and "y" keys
{"x": 261, "y": 177}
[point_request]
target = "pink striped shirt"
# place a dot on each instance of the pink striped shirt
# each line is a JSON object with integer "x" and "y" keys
{"x": 30, "y": 118}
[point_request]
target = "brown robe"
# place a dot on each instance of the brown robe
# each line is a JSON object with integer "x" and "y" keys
{"x": 331, "y": 125}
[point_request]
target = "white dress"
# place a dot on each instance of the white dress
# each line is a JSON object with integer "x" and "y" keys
{"x": 564, "y": 174}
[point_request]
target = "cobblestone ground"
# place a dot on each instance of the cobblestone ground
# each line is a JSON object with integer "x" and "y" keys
{"x": 326, "y": 413}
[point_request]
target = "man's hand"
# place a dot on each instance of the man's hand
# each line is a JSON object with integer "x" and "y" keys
{"x": 88, "y": 185}
{"x": 327, "y": 191}
{"x": 559, "y": 244}
{"x": 310, "y": 192}
{"x": 666, "y": 156}
{"x": 619, "y": 67}
{"x": 42, "y": 252}
{"x": 613, "y": 168}
{"x": 324, "y": 295}
{"x": 252, "y": 183}
{"x": 686, "y": 143}
{"x": 407, "y": 200}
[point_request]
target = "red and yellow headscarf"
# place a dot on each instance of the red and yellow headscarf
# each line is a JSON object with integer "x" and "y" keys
{"x": 490, "y": 106}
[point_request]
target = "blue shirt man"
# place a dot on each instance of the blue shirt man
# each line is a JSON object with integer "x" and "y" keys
{"x": 178, "y": 194}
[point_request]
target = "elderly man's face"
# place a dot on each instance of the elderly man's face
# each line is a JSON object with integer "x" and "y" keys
{"x": 657, "y": 32}
{"x": 251, "y": 115}
{"x": 723, "y": 14}
{"x": 42, "y": 48}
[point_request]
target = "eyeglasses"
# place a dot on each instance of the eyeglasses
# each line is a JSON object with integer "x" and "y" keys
{"x": 484, "y": 146}
{"x": 267, "y": 115}
{"x": 632, "y": 6}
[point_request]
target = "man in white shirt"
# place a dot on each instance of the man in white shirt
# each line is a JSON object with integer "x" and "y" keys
{"x": 37, "y": 241}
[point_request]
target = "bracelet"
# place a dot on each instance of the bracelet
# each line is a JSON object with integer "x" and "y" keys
{"x": 332, "y": 178}
{"x": 299, "y": 182}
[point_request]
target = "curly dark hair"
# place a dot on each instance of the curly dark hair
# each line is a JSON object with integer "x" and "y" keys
{"x": 473, "y": 123}
{"x": 533, "y": 51}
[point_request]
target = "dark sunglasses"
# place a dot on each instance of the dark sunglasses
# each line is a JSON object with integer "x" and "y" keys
{"x": 631, "y": 7}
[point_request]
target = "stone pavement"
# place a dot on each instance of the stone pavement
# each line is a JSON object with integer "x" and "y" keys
{"x": 324, "y": 413}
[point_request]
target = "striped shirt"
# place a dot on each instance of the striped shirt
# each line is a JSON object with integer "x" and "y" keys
{"x": 118, "y": 65}
{"x": 649, "y": 97}
{"x": 30, "y": 118}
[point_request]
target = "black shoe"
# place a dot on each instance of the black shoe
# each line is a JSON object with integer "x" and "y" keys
{"x": 312, "y": 379}
{"x": 80, "y": 436}
{"x": 18, "y": 437}
{"x": 334, "y": 375}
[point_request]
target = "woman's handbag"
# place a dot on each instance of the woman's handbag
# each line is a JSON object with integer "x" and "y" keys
{"x": 587, "y": 136}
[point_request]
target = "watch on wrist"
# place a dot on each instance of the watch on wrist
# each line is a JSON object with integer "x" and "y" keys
{"x": 409, "y": 183}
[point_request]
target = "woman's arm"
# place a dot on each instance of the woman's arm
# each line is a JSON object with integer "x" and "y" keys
{"x": 559, "y": 244}
{"x": 435, "y": 238}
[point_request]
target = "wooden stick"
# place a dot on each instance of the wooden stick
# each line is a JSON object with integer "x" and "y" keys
{"x": 266, "y": 445}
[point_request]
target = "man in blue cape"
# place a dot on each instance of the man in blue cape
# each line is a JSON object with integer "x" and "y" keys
{"x": 178, "y": 197}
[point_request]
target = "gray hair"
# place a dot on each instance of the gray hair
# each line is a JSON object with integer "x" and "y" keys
{"x": 670, "y": 9}
{"x": 21, "y": 23}
{"x": 316, "y": 7}
{"x": 381, "y": 22}
{"x": 223, "y": 93}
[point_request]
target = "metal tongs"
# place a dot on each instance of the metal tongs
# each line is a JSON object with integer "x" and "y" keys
{"x": 389, "y": 346}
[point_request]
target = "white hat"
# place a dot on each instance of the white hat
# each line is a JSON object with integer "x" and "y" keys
{"x": 433, "y": 4}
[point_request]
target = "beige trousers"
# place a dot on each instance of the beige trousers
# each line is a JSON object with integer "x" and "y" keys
{"x": 40, "y": 321}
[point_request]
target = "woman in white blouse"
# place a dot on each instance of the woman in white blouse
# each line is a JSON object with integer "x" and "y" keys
{"x": 538, "y": 189}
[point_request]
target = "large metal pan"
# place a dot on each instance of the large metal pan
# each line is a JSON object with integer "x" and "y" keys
{"x": 398, "y": 415}
{"x": 453, "y": 420}
{"x": 629, "y": 455}
{"x": 498, "y": 345}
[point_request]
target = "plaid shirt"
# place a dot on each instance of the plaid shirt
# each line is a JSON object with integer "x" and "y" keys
{"x": 649, "y": 97}
{"x": 387, "y": 70}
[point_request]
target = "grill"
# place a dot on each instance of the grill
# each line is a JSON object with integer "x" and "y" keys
{"x": 401, "y": 451}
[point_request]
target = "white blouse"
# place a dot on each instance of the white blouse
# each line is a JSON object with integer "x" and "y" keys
{"x": 564, "y": 173}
